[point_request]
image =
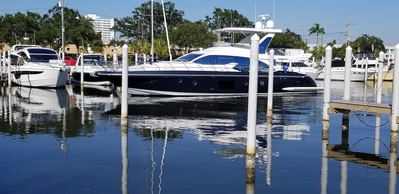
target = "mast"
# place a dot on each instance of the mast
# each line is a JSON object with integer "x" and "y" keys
{"x": 152, "y": 31}
{"x": 61, "y": 4}
{"x": 348, "y": 36}
{"x": 166, "y": 28}
{"x": 274, "y": 18}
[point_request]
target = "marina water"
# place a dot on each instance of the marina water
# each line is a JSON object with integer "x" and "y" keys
{"x": 70, "y": 141}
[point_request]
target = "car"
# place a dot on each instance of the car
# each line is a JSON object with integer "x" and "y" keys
{"x": 70, "y": 61}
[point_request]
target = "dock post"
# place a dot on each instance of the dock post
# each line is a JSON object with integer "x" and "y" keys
{"x": 136, "y": 58}
{"x": 125, "y": 71}
{"x": 252, "y": 109}
{"x": 347, "y": 78}
{"x": 81, "y": 71}
{"x": 9, "y": 69}
{"x": 270, "y": 84}
{"x": 327, "y": 91}
{"x": 379, "y": 81}
{"x": 1, "y": 64}
{"x": 395, "y": 103}
{"x": 115, "y": 61}
{"x": 366, "y": 70}
{"x": 269, "y": 115}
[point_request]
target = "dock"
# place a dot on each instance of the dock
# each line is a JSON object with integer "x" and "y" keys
{"x": 343, "y": 152}
{"x": 342, "y": 106}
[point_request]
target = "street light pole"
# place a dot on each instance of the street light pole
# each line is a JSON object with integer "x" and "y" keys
{"x": 61, "y": 4}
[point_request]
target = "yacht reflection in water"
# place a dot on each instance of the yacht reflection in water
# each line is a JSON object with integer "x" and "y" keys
{"x": 219, "y": 120}
{"x": 30, "y": 111}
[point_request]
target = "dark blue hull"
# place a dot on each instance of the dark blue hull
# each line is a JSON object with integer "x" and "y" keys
{"x": 197, "y": 83}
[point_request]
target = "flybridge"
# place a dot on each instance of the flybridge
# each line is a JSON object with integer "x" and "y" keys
{"x": 259, "y": 28}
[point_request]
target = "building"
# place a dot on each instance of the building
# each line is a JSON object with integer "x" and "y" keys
{"x": 389, "y": 53}
{"x": 104, "y": 26}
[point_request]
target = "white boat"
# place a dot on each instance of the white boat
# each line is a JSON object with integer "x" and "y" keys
{"x": 364, "y": 65}
{"x": 296, "y": 60}
{"x": 91, "y": 64}
{"x": 219, "y": 70}
{"x": 35, "y": 66}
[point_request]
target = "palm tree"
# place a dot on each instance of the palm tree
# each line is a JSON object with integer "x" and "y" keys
{"x": 316, "y": 29}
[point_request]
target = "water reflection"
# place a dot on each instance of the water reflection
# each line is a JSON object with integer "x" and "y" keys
{"x": 26, "y": 111}
{"x": 222, "y": 121}
{"x": 343, "y": 153}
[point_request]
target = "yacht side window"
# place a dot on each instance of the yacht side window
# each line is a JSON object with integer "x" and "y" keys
{"x": 187, "y": 57}
{"x": 205, "y": 60}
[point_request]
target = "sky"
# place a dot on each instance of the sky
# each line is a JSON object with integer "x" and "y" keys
{"x": 375, "y": 18}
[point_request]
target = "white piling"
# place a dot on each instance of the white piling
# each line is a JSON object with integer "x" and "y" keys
{"x": 125, "y": 71}
{"x": 327, "y": 88}
{"x": 4, "y": 61}
{"x": 9, "y": 69}
{"x": 1, "y": 63}
{"x": 366, "y": 70}
{"x": 115, "y": 61}
{"x": 144, "y": 58}
{"x": 253, "y": 94}
{"x": 252, "y": 104}
{"x": 105, "y": 58}
{"x": 271, "y": 84}
{"x": 290, "y": 65}
{"x": 81, "y": 70}
{"x": 136, "y": 58}
{"x": 347, "y": 79}
{"x": 395, "y": 91}
{"x": 379, "y": 81}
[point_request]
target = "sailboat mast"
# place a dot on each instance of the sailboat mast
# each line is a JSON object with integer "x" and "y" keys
{"x": 152, "y": 31}
{"x": 348, "y": 38}
{"x": 166, "y": 28}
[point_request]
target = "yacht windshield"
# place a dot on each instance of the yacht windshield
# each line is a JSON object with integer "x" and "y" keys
{"x": 187, "y": 57}
{"x": 242, "y": 63}
{"x": 93, "y": 60}
{"x": 42, "y": 55}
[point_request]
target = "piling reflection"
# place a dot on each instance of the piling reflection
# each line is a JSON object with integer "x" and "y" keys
{"x": 343, "y": 153}
{"x": 125, "y": 158}
{"x": 222, "y": 121}
{"x": 29, "y": 111}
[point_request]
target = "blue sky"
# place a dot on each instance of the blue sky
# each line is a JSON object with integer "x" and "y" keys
{"x": 378, "y": 18}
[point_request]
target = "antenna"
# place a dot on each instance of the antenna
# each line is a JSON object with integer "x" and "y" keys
{"x": 274, "y": 19}
{"x": 264, "y": 18}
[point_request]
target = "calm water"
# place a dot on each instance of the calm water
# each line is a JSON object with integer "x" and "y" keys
{"x": 59, "y": 141}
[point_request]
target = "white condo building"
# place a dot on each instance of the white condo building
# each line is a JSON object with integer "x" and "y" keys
{"x": 104, "y": 26}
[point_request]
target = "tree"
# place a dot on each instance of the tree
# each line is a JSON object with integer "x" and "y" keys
{"x": 138, "y": 26}
{"x": 316, "y": 29}
{"x": 227, "y": 18}
{"x": 192, "y": 35}
{"x": 368, "y": 43}
{"x": 78, "y": 29}
{"x": 288, "y": 39}
{"x": 15, "y": 27}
